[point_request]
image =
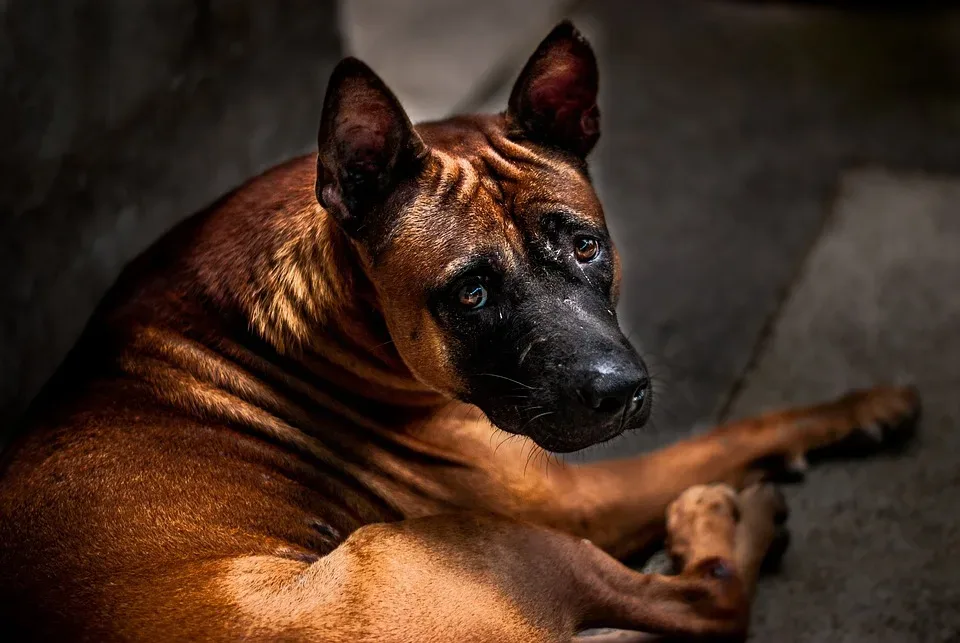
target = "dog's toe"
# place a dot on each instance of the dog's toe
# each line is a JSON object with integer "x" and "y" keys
{"x": 881, "y": 418}
{"x": 887, "y": 416}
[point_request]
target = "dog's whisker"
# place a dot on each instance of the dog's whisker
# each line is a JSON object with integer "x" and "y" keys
{"x": 530, "y": 408}
{"x": 536, "y": 417}
{"x": 533, "y": 450}
{"x": 510, "y": 436}
{"x": 526, "y": 351}
{"x": 509, "y": 379}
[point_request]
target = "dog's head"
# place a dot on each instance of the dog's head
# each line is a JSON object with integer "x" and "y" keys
{"x": 486, "y": 243}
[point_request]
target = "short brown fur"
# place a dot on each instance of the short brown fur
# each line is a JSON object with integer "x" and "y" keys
{"x": 258, "y": 436}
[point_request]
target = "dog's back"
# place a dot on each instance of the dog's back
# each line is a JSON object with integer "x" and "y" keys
{"x": 167, "y": 436}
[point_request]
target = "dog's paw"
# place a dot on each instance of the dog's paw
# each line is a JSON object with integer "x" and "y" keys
{"x": 884, "y": 417}
{"x": 718, "y": 502}
{"x": 726, "y": 531}
{"x": 860, "y": 423}
{"x": 704, "y": 517}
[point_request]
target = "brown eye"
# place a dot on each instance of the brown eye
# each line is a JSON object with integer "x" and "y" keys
{"x": 586, "y": 249}
{"x": 473, "y": 296}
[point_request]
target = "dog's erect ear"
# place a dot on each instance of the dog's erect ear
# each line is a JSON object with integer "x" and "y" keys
{"x": 554, "y": 101}
{"x": 366, "y": 144}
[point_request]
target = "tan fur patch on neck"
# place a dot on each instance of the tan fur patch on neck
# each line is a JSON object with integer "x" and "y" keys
{"x": 304, "y": 287}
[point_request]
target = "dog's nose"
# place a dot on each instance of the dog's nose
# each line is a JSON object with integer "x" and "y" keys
{"x": 610, "y": 388}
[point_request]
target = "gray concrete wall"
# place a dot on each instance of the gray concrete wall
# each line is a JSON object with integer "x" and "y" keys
{"x": 117, "y": 119}
{"x": 445, "y": 56}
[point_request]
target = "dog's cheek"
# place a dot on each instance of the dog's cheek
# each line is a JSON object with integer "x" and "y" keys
{"x": 426, "y": 352}
{"x": 615, "y": 281}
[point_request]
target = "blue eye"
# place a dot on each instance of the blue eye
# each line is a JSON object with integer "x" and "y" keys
{"x": 473, "y": 296}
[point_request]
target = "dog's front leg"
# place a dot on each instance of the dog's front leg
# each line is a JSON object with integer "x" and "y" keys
{"x": 620, "y": 504}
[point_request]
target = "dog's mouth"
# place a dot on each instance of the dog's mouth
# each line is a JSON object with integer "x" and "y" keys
{"x": 563, "y": 427}
{"x": 557, "y": 444}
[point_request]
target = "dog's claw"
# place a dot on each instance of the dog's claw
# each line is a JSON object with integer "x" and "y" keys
{"x": 885, "y": 414}
{"x": 797, "y": 464}
{"x": 873, "y": 430}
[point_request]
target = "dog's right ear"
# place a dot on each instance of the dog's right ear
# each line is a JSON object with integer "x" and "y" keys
{"x": 366, "y": 143}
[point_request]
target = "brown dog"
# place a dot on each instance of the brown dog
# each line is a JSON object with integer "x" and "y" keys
{"x": 278, "y": 423}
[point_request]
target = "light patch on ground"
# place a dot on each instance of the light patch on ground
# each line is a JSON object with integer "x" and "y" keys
{"x": 875, "y": 541}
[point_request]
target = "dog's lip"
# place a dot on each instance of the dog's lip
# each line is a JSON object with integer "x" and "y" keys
{"x": 616, "y": 428}
{"x": 635, "y": 417}
{"x": 560, "y": 446}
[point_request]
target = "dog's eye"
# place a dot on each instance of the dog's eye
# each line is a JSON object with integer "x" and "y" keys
{"x": 473, "y": 296}
{"x": 586, "y": 249}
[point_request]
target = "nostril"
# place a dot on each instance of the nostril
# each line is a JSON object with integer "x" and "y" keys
{"x": 609, "y": 405}
{"x": 611, "y": 390}
{"x": 640, "y": 392}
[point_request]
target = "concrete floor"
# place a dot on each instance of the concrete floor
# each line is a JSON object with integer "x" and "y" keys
{"x": 782, "y": 184}
{"x": 876, "y": 543}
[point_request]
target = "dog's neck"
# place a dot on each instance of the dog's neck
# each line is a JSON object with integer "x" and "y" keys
{"x": 275, "y": 326}
{"x": 299, "y": 283}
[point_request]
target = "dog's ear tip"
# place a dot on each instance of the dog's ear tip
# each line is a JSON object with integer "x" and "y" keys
{"x": 351, "y": 67}
{"x": 566, "y": 31}
{"x": 353, "y": 85}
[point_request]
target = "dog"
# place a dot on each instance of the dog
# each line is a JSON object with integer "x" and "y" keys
{"x": 285, "y": 421}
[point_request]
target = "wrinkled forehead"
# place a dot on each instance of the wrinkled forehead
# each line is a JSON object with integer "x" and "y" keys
{"x": 482, "y": 194}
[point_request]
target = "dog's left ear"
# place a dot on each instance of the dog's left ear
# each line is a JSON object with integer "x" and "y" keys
{"x": 554, "y": 101}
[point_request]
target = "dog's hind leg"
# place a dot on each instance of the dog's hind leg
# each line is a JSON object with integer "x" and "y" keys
{"x": 473, "y": 577}
{"x": 723, "y": 534}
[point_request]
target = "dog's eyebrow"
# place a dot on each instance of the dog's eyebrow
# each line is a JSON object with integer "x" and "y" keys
{"x": 465, "y": 265}
{"x": 559, "y": 216}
